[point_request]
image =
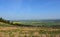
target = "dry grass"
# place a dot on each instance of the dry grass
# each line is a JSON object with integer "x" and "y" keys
{"x": 27, "y": 32}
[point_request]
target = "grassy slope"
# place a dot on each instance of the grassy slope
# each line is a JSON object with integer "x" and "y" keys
{"x": 33, "y": 23}
{"x": 4, "y": 24}
{"x": 24, "y": 31}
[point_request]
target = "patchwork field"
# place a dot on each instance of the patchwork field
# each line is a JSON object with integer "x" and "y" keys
{"x": 29, "y": 28}
{"x": 14, "y": 31}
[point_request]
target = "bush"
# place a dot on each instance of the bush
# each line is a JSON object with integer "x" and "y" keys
{"x": 4, "y": 21}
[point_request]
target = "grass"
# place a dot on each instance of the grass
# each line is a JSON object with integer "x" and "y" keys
{"x": 30, "y": 32}
{"x": 13, "y": 31}
{"x": 35, "y": 23}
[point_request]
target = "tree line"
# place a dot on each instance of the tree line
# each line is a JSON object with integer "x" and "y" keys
{"x": 4, "y": 20}
{"x": 16, "y": 24}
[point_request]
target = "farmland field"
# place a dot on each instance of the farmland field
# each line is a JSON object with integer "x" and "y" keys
{"x": 30, "y": 29}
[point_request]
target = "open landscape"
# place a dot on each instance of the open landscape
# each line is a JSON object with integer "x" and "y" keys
{"x": 30, "y": 28}
{"x": 29, "y": 18}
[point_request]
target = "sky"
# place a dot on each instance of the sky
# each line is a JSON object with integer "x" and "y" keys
{"x": 30, "y": 9}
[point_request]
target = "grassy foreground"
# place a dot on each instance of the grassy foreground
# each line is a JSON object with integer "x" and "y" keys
{"x": 14, "y": 31}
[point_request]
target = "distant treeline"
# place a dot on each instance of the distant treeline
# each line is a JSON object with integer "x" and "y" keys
{"x": 4, "y": 21}
{"x": 16, "y": 24}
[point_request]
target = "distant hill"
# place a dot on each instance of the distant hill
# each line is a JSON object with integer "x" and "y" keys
{"x": 55, "y": 20}
{"x": 30, "y": 23}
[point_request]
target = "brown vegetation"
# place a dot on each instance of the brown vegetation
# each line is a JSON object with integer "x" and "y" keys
{"x": 27, "y": 32}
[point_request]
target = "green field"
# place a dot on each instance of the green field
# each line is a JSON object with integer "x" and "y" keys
{"x": 30, "y": 28}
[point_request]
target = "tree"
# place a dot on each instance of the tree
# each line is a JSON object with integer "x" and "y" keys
{"x": 3, "y": 20}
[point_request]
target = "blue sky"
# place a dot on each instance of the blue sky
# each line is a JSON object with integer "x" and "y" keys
{"x": 30, "y": 9}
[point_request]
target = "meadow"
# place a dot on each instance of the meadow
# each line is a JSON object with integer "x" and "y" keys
{"x": 29, "y": 32}
{"x": 30, "y": 29}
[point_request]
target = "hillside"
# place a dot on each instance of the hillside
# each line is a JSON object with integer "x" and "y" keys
{"x": 31, "y": 23}
{"x": 29, "y": 28}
